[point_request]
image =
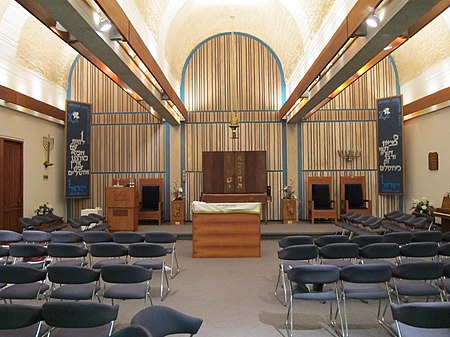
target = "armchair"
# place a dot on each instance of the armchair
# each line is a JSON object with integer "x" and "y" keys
{"x": 352, "y": 195}
{"x": 151, "y": 199}
{"x": 320, "y": 204}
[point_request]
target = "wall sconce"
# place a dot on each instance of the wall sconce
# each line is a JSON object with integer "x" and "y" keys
{"x": 349, "y": 155}
{"x": 48, "y": 143}
{"x": 234, "y": 124}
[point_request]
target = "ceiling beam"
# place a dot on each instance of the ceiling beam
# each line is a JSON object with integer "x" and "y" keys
{"x": 77, "y": 18}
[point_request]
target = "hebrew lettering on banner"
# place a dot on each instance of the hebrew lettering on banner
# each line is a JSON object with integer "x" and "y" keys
{"x": 77, "y": 177}
{"x": 390, "y": 145}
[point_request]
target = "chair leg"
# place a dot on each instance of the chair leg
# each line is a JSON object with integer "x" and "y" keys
{"x": 164, "y": 279}
{"x": 174, "y": 261}
{"x": 290, "y": 318}
{"x": 281, "y": 278}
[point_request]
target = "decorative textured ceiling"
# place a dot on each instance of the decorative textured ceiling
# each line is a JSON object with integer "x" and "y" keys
{"x": 427, "y": 48}
{"x": 44, "y": 53}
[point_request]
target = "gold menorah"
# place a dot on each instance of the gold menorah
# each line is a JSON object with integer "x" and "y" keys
{"x": 48, "y": 143}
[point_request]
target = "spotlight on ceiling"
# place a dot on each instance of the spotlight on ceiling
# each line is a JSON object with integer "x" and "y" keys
{"x": 104, "y": 25}
{"x": 60, "y": 27}
{"x": 373, "y": 21}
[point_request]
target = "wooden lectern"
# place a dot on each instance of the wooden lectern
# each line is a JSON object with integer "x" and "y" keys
{"x": 122, "y": 204}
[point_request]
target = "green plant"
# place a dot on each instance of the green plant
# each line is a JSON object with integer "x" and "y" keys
{"x": 288, "y": 190}
{"x": 43, "y": 208}
{"x": 422, "y": 206}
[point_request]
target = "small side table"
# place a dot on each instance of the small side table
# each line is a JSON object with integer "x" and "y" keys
{"x": 289, "y": 209}
{"x": 177, "y": 212}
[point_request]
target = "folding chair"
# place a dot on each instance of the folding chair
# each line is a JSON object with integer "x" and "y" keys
{"x": 292, "y": 240}
{"x": 79, "y": 318}
{"x": 133, "y": 331}
{"x": 376, "y": 253}
{"x": 109, "y": 253}
{"x": 24, "y": 283}
{"x": 339, "y": 254}
{"x": 67, "y": 254}
{"x": 327, "y": 239}
{"x": 19, "y": 319}
{"x": 421, "y": 319}
{"x": 313, "y": 274}
{"x": 162, "y": 321}
{"x": 127, "y": 237}
{"x": 29, "y": 254}
{"x": 169, "y": 241}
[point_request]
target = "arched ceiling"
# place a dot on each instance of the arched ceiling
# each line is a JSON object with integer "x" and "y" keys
{"x": 296, "y": 31}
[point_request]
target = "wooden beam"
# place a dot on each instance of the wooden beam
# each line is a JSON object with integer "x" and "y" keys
{"x": 430, "y": 16}
{"x": 428, "y": 101}
{"x": 15, "y": 97}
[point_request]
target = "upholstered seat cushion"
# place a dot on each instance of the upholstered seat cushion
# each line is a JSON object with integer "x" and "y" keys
{"x": 354, "y": 195}
{"x": 150, "y": 198}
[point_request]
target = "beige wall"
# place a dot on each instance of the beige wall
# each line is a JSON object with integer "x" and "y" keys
{"x": 428, "y": 133}
{"x": 30, "y": 130}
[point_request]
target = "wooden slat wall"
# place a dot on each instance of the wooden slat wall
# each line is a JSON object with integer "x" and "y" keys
{"x": 126, "y": 140}
{"x": 208, "y": 90}
{"x": 349, "y": 122}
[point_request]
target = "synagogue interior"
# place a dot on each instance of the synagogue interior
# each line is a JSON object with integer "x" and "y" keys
{"x": 230, "y": 125}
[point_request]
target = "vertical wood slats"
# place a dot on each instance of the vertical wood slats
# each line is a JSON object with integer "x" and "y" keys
{"x": 126, "y": 139}
{"x": 208, "y": 96}
{"x": 349, "y": 122}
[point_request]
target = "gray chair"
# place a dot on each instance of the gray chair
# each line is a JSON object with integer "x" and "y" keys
{"x": 376, "y": 253}
{"x": 289, "y": 257}
{"x": 73, "y": 282}
{"x": 418, "y": 251}
{"x": 127, "y": 237}
{"x": 162, "y": 321}
{"x": 339, "y": 254}
{"x": 90, "y": 237}
{"x": 79, "y": 318}
{"x": 24, "y": 283}
{"x": 327, "y": 239}
{"x": 427, "y": 236}
{"x": 125, "y": 281}
{"x": 68, "y": 254}
{"x": 107, "y": 253}
{"x": 292, "y": 240}
{"x": 36, "y": 236}
{"x": 133, "y": 331}
{"x": 151, "y": 256}
{"x": 413, "y": 279}
{"x": 169, "y": 241}
{"x": 20, "y": 320}
{"x": 66, "y": 237}
{"x": 7, "y": 237}
{"x": 300, "y": 276}
{"x": 421, "y": 319}
{"x": 364, "y": 240}
{"x": 400, "y": 238}
{"x": 29, "y": 254}
{"x": 365, "y": 282}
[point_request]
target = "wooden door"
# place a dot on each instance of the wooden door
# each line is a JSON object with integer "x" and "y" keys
{"x": 11, "y": 184}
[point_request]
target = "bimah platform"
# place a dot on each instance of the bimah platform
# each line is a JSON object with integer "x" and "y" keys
{"x": 226, "y": 229}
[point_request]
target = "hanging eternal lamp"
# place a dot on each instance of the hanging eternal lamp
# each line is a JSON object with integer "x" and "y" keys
{"x": 234, "y": 124}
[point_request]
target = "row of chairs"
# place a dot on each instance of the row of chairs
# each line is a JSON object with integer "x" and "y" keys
{"x": 338, "y": 250}
{"x": 400, "y": 221}
{"x": 48, "y": 222}
{"x": 93, "y": 319}
{"x": 363, "y": 282}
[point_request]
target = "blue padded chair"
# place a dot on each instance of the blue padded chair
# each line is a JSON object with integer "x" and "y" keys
{"x": 292, "y": 240}
{"x": 418, "y": 251}
{"x": 321, "y": 205}
{"x": 352, "y": 192}
{"x": 127, "y": 237}
{"x": 169, "y": 241}
{"x": 29, "y": 254}
{"x": 400, "y": 238}
{"x": 427, "y": 236}
{"x": 413, "y": 279}
{"x": 36, "y": 236}
{"x": 80, "y": 318}
{"x": 289, "y": 257}
{"x": 163, "y": 321}
{"x": 125, "y": 281}
{"x": 339, "y": 254}
{"x": 20, "y": 320}
{"x": 68, "y": 254}
{"x": 107, "y": 253}
{"x": 376, "y": 253}
{"x": 314, "y": 274}
{"x": 25, "y": 283}
{"x": 365, "y": 282}
{"x": 421, "y": 319}
{"x": 332, "y": 238}
{"x": 66, "y": 237}
{"x": 73, "y": 282}
{"x": 90, "y": 237}
{"x": 364, "y": 240}
{"x": 151, "y": 256}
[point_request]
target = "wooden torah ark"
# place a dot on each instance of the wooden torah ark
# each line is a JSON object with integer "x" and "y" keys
{"x": 226, "y": 235}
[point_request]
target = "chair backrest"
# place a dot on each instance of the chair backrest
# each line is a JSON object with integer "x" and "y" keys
{"x": 353, "y": 190}
{"x": 427, "y": 236}
{"x": 314, "y": 274}
{"x": 419, "y": 249}
{"x": 108, "y": 249}
{"x": 145, "y": 249}
{"x": 366, "y": 273}
{"x": 150, "y": 198}
{"x": 364, "y": 240}
{"x": 22, "y": 250}
{"x": 160, "y": 237}
{"x": 319, "y": 191}
{"x": 16, "y": 316}
{"x": 72, "y": 274}
{"x": 78, "y": 314}
{"x": 162, "y": 321}
{"x": 66, "y": 237}
{"x": 292, "y": 240}
{"x": 382, "y": 250}
{"x": 444, "y": 250}
{"x": 66, "y": 250}
{"x": 7, "y": 236}
{"x": 298, "y": 252}
{"x": 432, "y": 315}
{"x": 432, "y": 270}
{"x": 127, "y": 237}
{"x": 125, "y": 273}
{"x": 133, "y": 331}
{"x": 327, "y": 239}
{"x": 36, "y": 236}
{"x": 339, "y": 251}
{"x": 96, "y": 236}
{"x": 18, "y": 274}
{"x": 401, "y": 238}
